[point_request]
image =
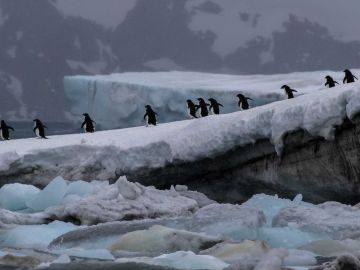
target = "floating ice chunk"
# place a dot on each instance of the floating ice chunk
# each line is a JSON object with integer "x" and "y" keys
{"x": 62, "y": 259}
{"x": 13, "y": 196}
{"x": 98, "y": 254}
{"x": 184, "y": 260}
{"x": 189, "y": 260}
{"x": 51, "y": 195}
{"x": 288, "y": 237}
{"x": 80, "y": 188}
{"x": 333, "y": 247}
{"x": 128, "y": 190}
{"x": 159, "y": 239}
{"x": 338, "y": 220}
{"x": 231, "y": 252}
{"x": 9, "y": 218}
{"x": 273, "y": 260}
{"x": 271, "y": 205}
{"x": 298, "y": 257}
{"x": 201, "y": 199}
{"x": 234, "y": 221}
{"x": 34, "y": 236}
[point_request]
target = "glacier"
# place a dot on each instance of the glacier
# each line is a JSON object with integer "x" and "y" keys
{"x": 118, "y": 100}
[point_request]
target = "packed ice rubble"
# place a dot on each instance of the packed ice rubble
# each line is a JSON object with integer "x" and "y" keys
{"x": 104, "y": 155}
{"x": 117, "y": 100}
{"x": 167, "y": 228}
{"x": 95, "y": 203}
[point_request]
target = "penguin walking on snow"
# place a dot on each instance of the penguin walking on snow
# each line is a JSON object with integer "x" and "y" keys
{"x": 349, "y": 77}
{"x": 203, "y": 107}
{"x": 330, "y": 81}
{"x": 214, "y": 106}
{"x": 87, "y": 125}
{"x": 39, "y": 129}
{"x": 243, "y": 102}
{"x": 5, "y": 134}
{"x": 150, "y": 116}
{"x": 288, "y": 91}
{"x": 191, "y": 108}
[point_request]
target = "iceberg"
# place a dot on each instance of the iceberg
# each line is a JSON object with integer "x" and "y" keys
{"x": 118, "y": 100}
{"x": 34, "y": 236}
{"x": 14, "y": 196}
{"x": 51, "y": 195}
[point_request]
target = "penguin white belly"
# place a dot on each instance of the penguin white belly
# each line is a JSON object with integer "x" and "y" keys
{"x": 212, "y": 111}
{"x": 189, "y": 113}
{"x": 1, "y": 135}
{"x": 37, "y": 132}
{"x": 85, "y": 128}
{"x": 147, "y": 120}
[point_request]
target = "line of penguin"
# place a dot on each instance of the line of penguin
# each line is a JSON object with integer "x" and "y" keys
{"x": 193, "y": 110}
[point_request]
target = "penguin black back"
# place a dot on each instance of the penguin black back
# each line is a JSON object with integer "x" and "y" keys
{"x": 288, "y": 91}
{"x": 214, "y": 106}
{"x": 203, "y": 107}
{"x": 87, "y": 125}
{"x": 243, "y": 102}
{"x": 330, "y": 81}
{"x": 191, "y": 108}
{"x": 150, "y": 116}
{"x": 349, "y": 77}
{"x": 39, "y": 129}
{"x": 4, "y": 129}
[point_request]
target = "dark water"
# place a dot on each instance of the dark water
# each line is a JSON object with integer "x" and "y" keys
{"x": 25, "y": 129}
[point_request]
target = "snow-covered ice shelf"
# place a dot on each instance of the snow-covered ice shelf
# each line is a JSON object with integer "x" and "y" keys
{"x": 108, "y": 154}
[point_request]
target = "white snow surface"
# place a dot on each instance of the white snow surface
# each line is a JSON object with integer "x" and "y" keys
{"x": 102, "y": 155}
{"x": 118, "y": 100}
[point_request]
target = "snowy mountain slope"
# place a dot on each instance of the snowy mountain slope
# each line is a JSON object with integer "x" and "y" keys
{"x": 118, "y": 100}
{"x": 108, "y": 154}
{"x": 41, "y": 41}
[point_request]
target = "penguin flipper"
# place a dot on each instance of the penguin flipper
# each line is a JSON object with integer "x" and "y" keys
{"x": 11, "y": 128}
{"x": 82, "y": 125}
{"x": 355, "y": 77}
{"x": 34, "y": 129}
{"x": 145, "y": 115}
{"x": 220, "y": 105}
{"x": 336, "y": 82}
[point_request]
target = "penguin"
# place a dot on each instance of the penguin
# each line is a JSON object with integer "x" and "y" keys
{"x": 214, "y": 106}
{"x": 87, "y": 125}
{"x": 243, "y": 102}
{"x": 203, "y": 107}
{"x": 349, "y": 77}
{"x": 330, "y": 81}
{"x": 288, "y": 91}
{"x": 5, "y": 130}
{"x": 191, "y": 108}
{"x": 39, "y": 129}
{"x": 150, "y": 116}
